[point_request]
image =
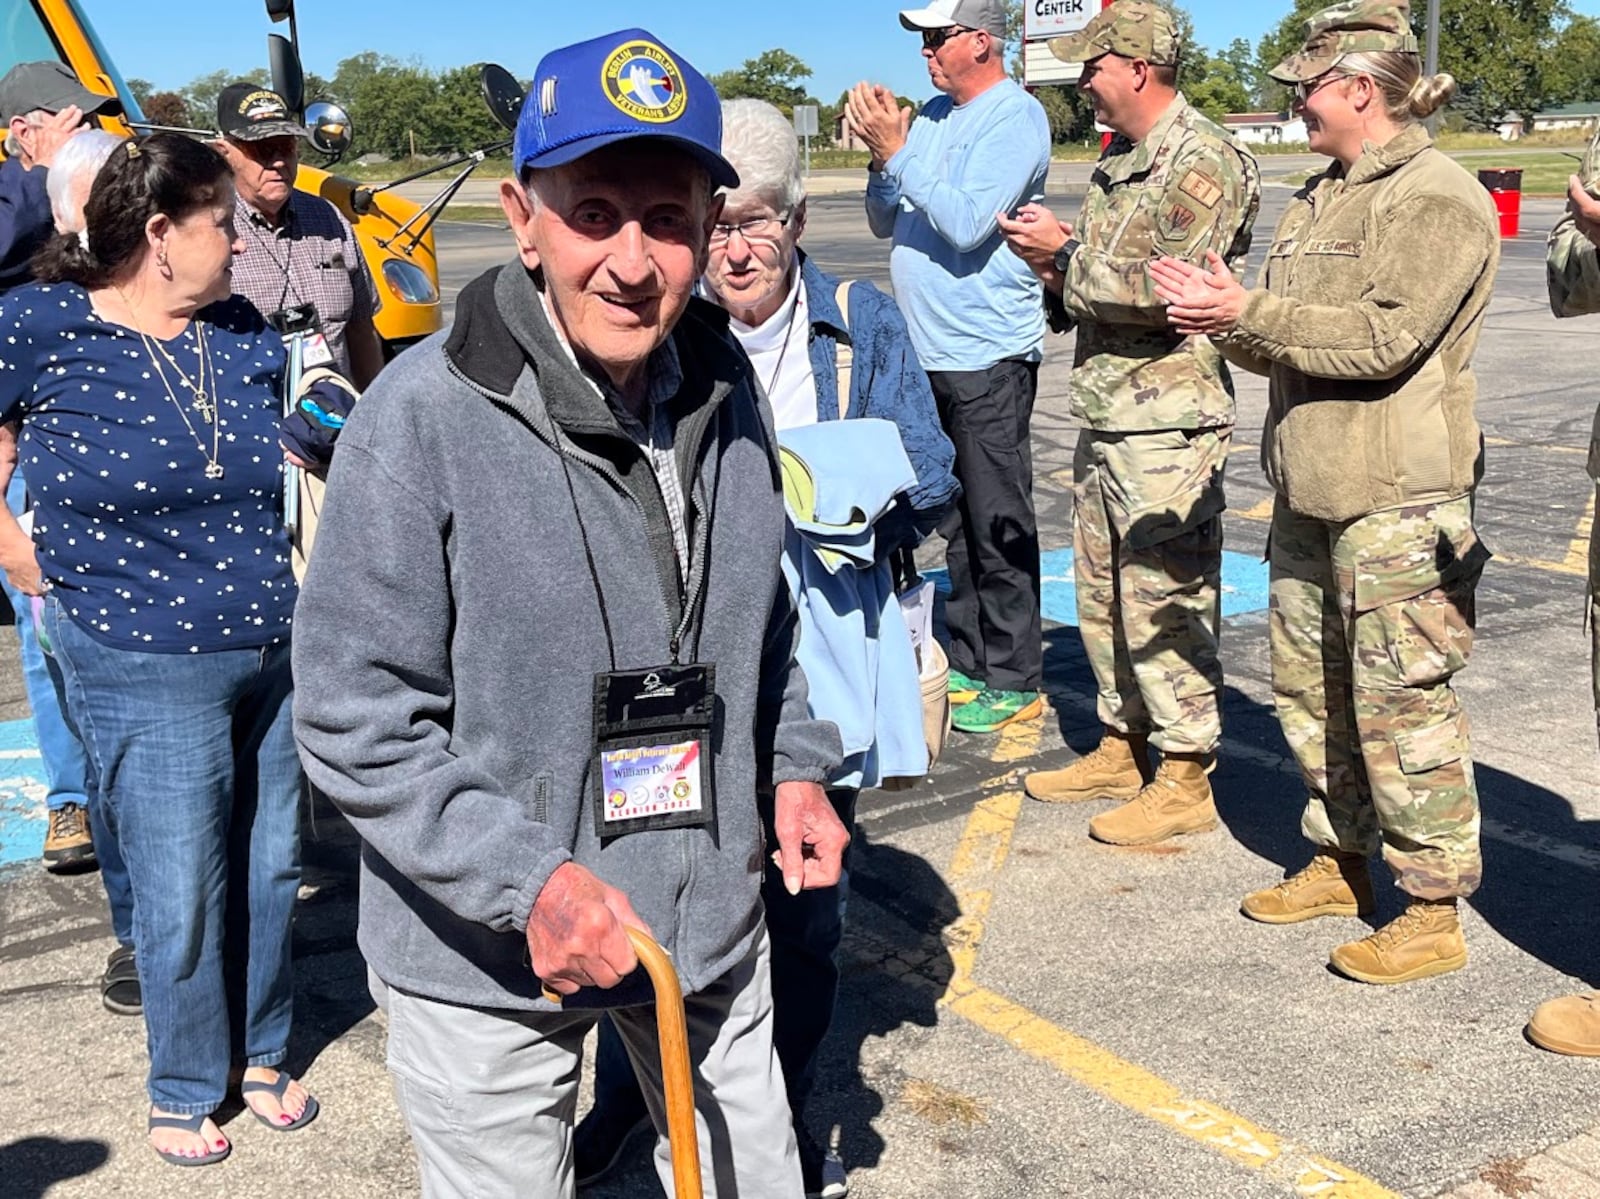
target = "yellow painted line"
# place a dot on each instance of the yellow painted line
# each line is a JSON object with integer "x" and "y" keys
{"x": 1020, "y": 740}
{"x": 1577, "y": 559}
{"x": 1506, "y": 442}
{"x": 1561, "y": 568}
{"x": 973, "y": 872}
{"x": 1240, "y": 1141}
{"x": 1260, "y": 510}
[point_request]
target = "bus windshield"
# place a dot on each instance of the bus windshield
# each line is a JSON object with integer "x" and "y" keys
{"x": 24, "y": 37}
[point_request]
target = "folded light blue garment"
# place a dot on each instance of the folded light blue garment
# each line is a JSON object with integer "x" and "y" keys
{"x": 839, "y": 478}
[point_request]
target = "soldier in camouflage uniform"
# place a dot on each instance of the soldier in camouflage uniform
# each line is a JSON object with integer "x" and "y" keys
{"x": 1157, "y": 413}
{"x": 1373, "y": 295}
{"x": 1571, "y": 1024}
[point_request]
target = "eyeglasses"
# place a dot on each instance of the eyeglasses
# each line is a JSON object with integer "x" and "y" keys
{"x": 932, "y": 39}
{"x": 1304, "y": 90}
{"x": 766, "y": 229}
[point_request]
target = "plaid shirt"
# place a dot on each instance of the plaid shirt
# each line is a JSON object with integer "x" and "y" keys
{"x": 664, "y": 375}
{"x": 311, "y": 257}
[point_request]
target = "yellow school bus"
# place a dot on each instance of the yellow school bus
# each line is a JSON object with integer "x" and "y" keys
{"x": 404, "y": 267}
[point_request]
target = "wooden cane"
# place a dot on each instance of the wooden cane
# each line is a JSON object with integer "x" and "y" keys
{"x": 677, "y": 1077}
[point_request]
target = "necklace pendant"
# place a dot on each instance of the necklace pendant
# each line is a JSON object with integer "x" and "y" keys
{"x": 203, "y": 405}
{"x": 213, "y": 470}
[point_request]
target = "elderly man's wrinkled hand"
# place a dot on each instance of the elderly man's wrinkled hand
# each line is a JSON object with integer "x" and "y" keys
{"x": 811, "y": 837}
{"x": 1585, "y": 209}
{"x": 877, "y": 119}
{"x": 1200, "y": 302}
{"x": 1034, "y": 235}
{"x": 54, "y": 132}
{"x": 577, "y": 932}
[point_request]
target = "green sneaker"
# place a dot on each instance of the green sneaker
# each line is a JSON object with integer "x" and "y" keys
{"x": 963, "y": 688}
{"x": 993, "y": 710}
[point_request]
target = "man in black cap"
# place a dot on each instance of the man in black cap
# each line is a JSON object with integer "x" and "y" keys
{"x": 44, "y": 105}
{"x": 302, "y": 265}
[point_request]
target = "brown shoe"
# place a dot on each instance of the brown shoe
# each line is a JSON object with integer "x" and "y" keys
{"x": 1178, "y": 800}
{"x": 1117, "y": 768}
{"x": 67, "y": 845}
{"x": 1569, "y": 1025}
{"x": 1422, "y": 941}
{"x": 1335, "y": 883}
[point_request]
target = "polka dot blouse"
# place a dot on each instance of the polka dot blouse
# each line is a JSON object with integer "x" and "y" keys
{"x": 146, "y": 550}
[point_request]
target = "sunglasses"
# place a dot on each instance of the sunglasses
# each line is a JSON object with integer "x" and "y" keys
{"x": 1305, "y": 89}
{"x": 932, "y": 39}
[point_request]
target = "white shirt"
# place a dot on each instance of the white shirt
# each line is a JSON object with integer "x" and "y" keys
{"x": 780, "y": 350}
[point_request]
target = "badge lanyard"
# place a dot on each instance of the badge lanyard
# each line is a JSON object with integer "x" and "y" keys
{"x": 651, "y": 766}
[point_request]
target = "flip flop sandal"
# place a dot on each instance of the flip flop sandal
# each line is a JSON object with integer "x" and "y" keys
{"x": 119, "y": 986}
{"x": 187, "y": 1124}
{"x": 276, "y": 1089}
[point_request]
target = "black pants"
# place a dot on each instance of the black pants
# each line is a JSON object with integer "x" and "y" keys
{"x": 805, "y": 930}
{"x": 992, "y": 536}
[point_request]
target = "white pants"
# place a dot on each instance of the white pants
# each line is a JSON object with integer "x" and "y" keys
{"x": 489, "y": 1097}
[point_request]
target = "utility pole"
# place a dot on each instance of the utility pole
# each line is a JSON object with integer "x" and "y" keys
{"x": 1430, "y": 61}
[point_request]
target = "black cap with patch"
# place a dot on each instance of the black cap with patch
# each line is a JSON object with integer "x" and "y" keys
{"x": 247, "y": 112}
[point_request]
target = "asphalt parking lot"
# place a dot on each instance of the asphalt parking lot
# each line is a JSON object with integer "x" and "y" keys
{"x": 1026, "y": 1013}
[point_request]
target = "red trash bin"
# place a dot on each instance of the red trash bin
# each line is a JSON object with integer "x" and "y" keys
{"x": 1505, "y": 189}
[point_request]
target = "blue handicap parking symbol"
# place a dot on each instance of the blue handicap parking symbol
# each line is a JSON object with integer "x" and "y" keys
{"x": 1244, "y": 585}
{"x": 22, "y": 794}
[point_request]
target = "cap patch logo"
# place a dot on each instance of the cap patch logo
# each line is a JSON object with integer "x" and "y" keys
{"x": 262, "y": 106}
{"x": 643, "y": 81}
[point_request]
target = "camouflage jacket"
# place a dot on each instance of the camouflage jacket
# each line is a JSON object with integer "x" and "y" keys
{"x": 1185, "y": 188}
{"x": 1372, "y": 297}
{"x": 1572, "y": 267}
{"x": 1572, "y": 273}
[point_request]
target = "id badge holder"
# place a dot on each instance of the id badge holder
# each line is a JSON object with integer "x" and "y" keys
{"x": 652, "y": 749}
{"x": 302, "y": 320}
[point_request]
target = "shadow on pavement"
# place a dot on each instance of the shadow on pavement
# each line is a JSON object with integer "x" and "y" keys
{"x": 33, "y": 1165}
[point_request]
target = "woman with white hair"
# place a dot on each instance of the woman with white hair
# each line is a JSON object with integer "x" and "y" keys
{"x": 793, "y": 319}
{"x": 69, "y": 180}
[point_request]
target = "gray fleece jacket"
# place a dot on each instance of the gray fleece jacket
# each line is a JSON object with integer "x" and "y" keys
{"x": 447, "y": 638}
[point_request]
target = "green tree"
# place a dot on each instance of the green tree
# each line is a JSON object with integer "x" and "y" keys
{"x": 142, "y": 90}
{"x": 201, "y": 93}
{"x": 1572, "y": 73}
{"x": 773, "y": 76}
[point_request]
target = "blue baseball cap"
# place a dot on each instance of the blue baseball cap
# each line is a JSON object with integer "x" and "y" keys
{"x": 623, "y": 85}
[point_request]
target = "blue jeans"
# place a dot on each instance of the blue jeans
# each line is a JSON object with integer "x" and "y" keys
{"x": 60, "y": 748}
{"x": 805, "y": 930}
{"x": 193, "y": 758}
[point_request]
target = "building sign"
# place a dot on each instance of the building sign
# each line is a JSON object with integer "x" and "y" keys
{"x": 1052, "y": 18}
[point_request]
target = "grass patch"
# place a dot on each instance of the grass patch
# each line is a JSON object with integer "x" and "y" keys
{"x": 478, "y": 213}
{"x": 940, "y": 1105}
{"x": 1544, "y": 172}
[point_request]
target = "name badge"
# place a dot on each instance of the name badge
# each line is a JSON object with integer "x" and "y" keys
{"x": 302, "y": 320}
{"x": 652, "y": 749}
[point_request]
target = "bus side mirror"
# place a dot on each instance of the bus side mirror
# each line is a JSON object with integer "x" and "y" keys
{"x": 502, "y": 93}
{"x": 330, "y": 127}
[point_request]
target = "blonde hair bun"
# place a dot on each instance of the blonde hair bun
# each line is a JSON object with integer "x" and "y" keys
{"x": 1429, "y": 94}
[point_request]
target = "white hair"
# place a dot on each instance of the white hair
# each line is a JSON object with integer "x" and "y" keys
{"x": 76, "y": 163}
{"x": 33, "y": 119}
{"x": 762, "y": 146}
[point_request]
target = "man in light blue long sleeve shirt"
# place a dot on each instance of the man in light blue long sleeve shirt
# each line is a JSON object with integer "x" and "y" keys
{"x": 976, "y": 316}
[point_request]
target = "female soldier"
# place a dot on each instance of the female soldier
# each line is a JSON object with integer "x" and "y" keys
{"x": 1372, "y": 298}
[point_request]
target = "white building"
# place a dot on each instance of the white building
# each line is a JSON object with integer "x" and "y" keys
{"x": 1265, "y": 128}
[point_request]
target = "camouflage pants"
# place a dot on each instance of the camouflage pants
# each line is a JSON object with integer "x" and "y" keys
{"x": 1369, "y": 620}
{"x": 1147, "y": 551}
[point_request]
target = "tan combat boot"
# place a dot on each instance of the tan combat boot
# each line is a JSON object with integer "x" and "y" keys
{"x": 1177, "y": 800}
{"x": 1335, "y": 883}
{"x": 1568, "y": 1025}
{"x": 1117, "y": 768}
{"x": 1422, "y": 941}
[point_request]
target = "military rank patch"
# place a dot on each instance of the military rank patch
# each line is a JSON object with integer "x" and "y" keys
{"x": 1179, "y": 218}
{"x": 1202, "y": 188}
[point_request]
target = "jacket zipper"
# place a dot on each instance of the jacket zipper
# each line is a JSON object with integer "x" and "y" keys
{"x": 695, "y": 580}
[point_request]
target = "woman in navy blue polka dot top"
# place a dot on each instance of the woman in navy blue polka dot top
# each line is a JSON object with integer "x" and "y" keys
{"x": 148, "y": 402}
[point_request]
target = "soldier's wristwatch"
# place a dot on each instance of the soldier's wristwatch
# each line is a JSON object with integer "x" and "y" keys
{"x": 1063, "y": 256}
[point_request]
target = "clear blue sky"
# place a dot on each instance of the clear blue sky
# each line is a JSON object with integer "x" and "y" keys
{"x": 842, "y": 41}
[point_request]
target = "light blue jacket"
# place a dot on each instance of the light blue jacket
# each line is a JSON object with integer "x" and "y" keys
{"x": 841, "y": 477}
